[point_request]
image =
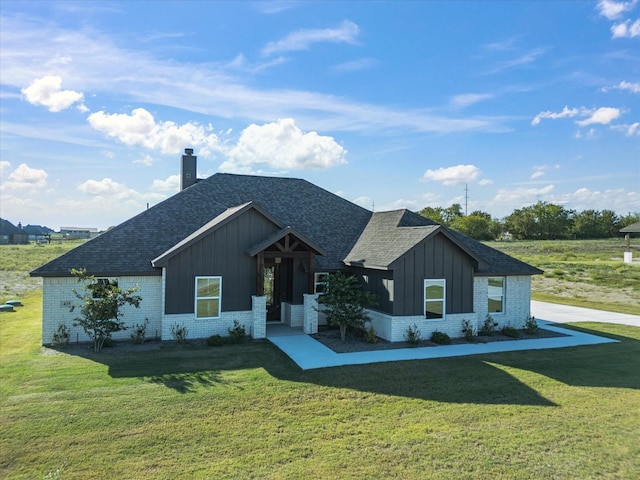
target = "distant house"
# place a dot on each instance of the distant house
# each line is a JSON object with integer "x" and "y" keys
{"x": 38, "y": 232}
{"x": 258, "y": 249}
{"x": 628, "y": 230}
{"x": 79, "y": 232}
{"x": 11, "y": 234}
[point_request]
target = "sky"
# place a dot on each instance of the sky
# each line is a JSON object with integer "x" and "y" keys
{"x": 493, "y": 105}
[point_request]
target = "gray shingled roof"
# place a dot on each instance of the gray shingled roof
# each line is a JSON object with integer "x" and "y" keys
{"x": 385, "y": 239}
{"x": 633, "y": 228}
{"x": 327, "y": 220}
{"x": 8, "y": 228}
{"x": 389, "y": 235}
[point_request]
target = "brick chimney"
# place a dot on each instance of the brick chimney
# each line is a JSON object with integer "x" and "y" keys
{"x": 188, "y": 170}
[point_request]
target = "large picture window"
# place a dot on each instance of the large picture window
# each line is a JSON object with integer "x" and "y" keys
{"x": 496, "y": 295}
{"x": 208, "y": 297}
{"x": 434, "y": 298}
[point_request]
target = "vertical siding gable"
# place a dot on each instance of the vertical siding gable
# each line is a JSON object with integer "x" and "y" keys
{"x": 433, "y": 257}
{"x": 222, "y": 252}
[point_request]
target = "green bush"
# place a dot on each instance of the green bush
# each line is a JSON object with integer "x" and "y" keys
{"x": 60, "y": 339}
{"x": 139, "y": 332}
{"x": 530, "y": 325}
{"x": 216, "y": 340}
{"x": 488, "y": 327}
{"x": 370, "y": 335}
{"x": 509, "y": 331}
{"x": 179, "y": 333}
{"x": 468, "y": 330}
{"x": 237, "y": 333}
{"x": 413, "y": 335}
{"x": 440, "y": 338}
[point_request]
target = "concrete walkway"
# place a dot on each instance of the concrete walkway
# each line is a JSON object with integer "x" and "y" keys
{"x": 310, "y": 354}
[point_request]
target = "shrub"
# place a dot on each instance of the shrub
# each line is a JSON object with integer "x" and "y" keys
{"x": 530, "y": 325}
{"x": 509, "y": 331}
{"x": 488, "y": 327}
{"x": 139, "y": 332}
{"x": 216, "y": 340}
{"x": 370, "y": 335}
{"x": 413, "y": 335}
{"x": 60, "y": 339}
{"x": 440, "y": 338}
{"x": 237, "y": 333}
{"x": 179, "y": 333}
{"x": 468, "y": 330}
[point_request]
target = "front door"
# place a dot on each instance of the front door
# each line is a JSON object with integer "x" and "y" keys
{"x": 272, "y": 290}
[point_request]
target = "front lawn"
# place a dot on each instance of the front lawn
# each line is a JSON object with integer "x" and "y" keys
{"x": 246, "y": 411}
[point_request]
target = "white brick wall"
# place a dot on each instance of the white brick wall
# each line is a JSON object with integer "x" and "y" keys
{"x": 516, "y": 310}
{"x": 517, "y": 301}
{"x": 58, "y": 297}
{"x": 310, "y": 313}
{"x": 292, "y": 315}
{"x": 394, "y": 329}
{"x": 203, "y": 328}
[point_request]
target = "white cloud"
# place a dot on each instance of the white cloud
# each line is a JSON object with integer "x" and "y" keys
{"x": 467, "y": 99}
{"x": 624, "y": 85}
{"x": 613, "y": 10}
{"x": 485, "y": 181}
{"x": 603, "y": 116}
{"x": 517, "y": 197}
{"x": 355, "y": 65}
{"x": 451, "y": 176}
{"x": 4, "y": 165}
{"x": 626, "y": 29}
{"x": 140, "y": 128}
{"x": 302, "y": 39}
{"x": 145, "y": 160}
{"x": 25, "y": 177}
{"x": 566, "y": 112}
{"x": 364, "y": 202}
{"x": 537, "y": 174}
{"x": 47, "y": 91}
{"x": 629, "y": 130}
{"x": 283, "y": 146}
{"x": 106, "y": 186}
{"x": 170, "y": 184}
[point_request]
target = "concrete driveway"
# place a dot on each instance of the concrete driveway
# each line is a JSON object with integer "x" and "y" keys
{"x": 564, "y": 313}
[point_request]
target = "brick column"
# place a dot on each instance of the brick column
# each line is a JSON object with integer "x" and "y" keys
{"x": 310, "y": 313}
{"x": 259, "y": 316}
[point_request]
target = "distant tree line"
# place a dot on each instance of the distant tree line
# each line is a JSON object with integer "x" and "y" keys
{"x": 542, "y": 221}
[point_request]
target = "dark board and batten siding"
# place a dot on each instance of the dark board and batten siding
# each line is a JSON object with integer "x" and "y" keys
{"x": 223, "y": 252}
{"x": 435, "y": 257}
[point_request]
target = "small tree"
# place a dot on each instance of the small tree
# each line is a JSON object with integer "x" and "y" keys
{"x": 100, "y": 303}
{"x": 344, "y": 303}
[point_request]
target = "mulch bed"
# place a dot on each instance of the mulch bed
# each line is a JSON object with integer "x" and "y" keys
{"x": 330, "y": 337}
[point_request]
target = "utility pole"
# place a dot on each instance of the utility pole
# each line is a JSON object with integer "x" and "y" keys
{"x": 466, "y": 198}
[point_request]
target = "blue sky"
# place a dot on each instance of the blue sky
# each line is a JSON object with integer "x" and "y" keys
{"x": 388, "y": 104}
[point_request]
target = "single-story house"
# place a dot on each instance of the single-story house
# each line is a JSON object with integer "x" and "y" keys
{"x": 258, "y": 249}
{"x": 12, "y": 235}
{"x": 38, "y": 232}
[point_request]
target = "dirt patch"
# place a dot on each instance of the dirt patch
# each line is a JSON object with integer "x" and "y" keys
{"x": 331, "y": 338}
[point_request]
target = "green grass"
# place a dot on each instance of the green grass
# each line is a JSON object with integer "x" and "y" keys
{"x": 245, "y": 411}
{"x": 16, "y": 261}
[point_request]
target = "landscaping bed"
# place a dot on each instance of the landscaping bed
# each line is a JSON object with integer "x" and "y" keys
{"x": 330, "y": 337}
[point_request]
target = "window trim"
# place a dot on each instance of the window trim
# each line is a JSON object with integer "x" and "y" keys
{"x": 317, "y": 283}
{"x": 443, "y": 300}
{"x": 503, "y": 294}
{"x": 196, "y": 297}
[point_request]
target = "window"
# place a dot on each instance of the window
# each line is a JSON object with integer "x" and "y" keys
{"x": 208, "y": 297}
{"x": 434, "y": 298}
{"x": 320, "y": 282}
{"x": 496, "y": 295}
